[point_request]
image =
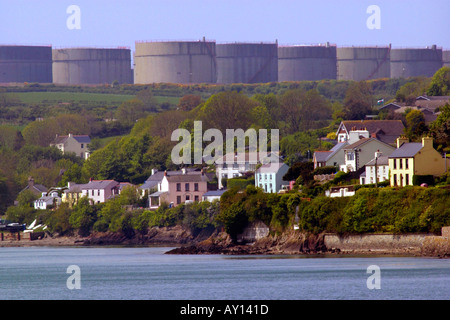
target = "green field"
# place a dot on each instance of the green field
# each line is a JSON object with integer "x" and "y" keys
{"x": 81, "y": 97}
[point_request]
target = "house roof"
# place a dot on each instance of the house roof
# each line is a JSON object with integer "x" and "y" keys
{"x": 188, "y": 178}
{"x": 383, "y": 160}
{"x": 100, "y": 184}
{"x": 364, "y": 141}
{"x": 270, "y": 167}
{"x": 407, "y": 150}
{"x": 249, "y": 157}
{"x": 386, "y": 130}
{"x": 321, "y": 156}
{"x": 214, "y": 193}
{"x": 78, "y": 138}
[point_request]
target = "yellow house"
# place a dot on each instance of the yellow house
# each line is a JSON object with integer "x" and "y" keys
{"x": 414, "y": 158}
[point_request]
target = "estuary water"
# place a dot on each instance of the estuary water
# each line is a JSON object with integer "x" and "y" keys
{"x": 146, "y": 273}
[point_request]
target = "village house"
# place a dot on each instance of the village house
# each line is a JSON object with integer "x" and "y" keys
{"x": 384, "y": 130}
{"x": 333, "y": 157}
{"x": 377, "y": 170}
{"x": 269, "y": 177}
{"x": 415, "y": 158}
{"x": 362, "y": 151}
{"x": 48, "y": 200}
{"x": 77, "y": 144}
{"x": 178, "y": 188}
{"x": 226, "y": 169}
{"x": 340, "y": 191}
{"x": 213, "y": 195}
{"x": 37, "y": 189}
{"x": 99, "y": 191}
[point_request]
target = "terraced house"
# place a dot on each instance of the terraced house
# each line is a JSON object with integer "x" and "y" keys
{"x": 415, "y": 159}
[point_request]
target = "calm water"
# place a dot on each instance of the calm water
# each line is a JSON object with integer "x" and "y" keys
{"x": 146, "y": 273}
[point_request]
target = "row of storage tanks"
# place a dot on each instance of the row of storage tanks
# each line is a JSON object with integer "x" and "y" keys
{"x": 204, "y": 61}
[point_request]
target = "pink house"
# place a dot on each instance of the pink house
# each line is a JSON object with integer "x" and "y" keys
{"x": 179, "y": 188}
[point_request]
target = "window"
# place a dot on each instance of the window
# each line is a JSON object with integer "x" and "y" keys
{"x": 178, "y": 199}
{"x": 92, "y": 192}
{"x": 98, "y": 192}
{"x": 395, "y": 163}
{"x": 196, "y": 198}
{"x": 188, "y": 197}
{"x": 395, "y": 178}
{"x": 400, "y": 163}
{"x": 178, "y": 186}
{"x": 186, "y": 186}
{"x": 195, "y": 186}
{"x": 82, "y": 146}
{"x": 406, "y": 179}
{"x": 406, "y": 164}
{"x": 350, "y": 156}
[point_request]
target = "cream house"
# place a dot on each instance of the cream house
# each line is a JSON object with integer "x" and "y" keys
{"x": 414, "y": 158}
{"x": 77, "y": 144}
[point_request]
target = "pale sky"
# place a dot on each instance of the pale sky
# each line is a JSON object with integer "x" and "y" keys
{"x": 114, "y": 23}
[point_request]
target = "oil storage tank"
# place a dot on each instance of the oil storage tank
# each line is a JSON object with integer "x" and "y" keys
{"x": 446, "y": 58}
{"x": 298, "y": 63}
{"x": 25, "y": 64}
{"x": 247, "y": 62}
{"x": 91, "y": 65}
{"x": 180, "y": 62}
{"x": 363, "y": 63}
{"x": 415, "y": 62}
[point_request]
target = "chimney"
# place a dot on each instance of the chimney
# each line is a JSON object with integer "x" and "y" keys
{"x": 70, "y": 135}
{"x": 401, "y": 140}
{"x": 154, "y": 171}
{"x": 165, "y": 173}
{"x": 183, "y": 170}
{"x": 30, "y": 181}
{"x": 378, "y": 154}
{"x": 203, "y": 172}
{"x": 427, "y": 142}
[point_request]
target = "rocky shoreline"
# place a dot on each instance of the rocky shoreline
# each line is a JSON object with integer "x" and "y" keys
{"x": 217, "y": 242}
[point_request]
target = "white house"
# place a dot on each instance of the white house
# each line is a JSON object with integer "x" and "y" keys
{"x": 213, "y": 195}
{"x": 99, "y": 191}
{"x": 378, "y": 164}
{"x": 269, "y": 177}
{"x": 234, "y": 165}
{"x": 361, "y": 152}
{"x": 341, "y": 191}
{"x": 77, "y": 144}
{"x": 47, "y": 201}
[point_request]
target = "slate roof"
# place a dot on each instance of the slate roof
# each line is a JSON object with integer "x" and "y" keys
{"x": 214, "y": 193}
{"x": 383, "y": 160}
{"x": 100, "y": 184}
{"x": 270, "y": 167}
{"x": 188, "y": 178}
{"x": 322, "y": 156}
{"x": 407, "y": 150}
{"x": 387, "y": 130}
{"x": 78, "y": 138}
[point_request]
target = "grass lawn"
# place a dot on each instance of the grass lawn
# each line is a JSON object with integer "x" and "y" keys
{"x": 82, "y": 97}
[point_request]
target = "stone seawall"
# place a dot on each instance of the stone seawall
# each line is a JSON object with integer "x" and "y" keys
{"x": 418, "y": 244}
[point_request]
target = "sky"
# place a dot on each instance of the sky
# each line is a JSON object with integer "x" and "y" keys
{"x": 120, "y": 23}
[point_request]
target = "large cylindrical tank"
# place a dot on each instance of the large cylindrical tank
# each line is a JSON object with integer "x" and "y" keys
{"x": 298, "y": 63}
{"x": 247, "y": 62}
{"x": 26, "y": 64}
{"x": 446, "y": 58}
{"x": 175, "y": 62}
{"x": 415, "y": 62}
{"x": 363, "y": 63}
{"x": 91, "y": 66}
